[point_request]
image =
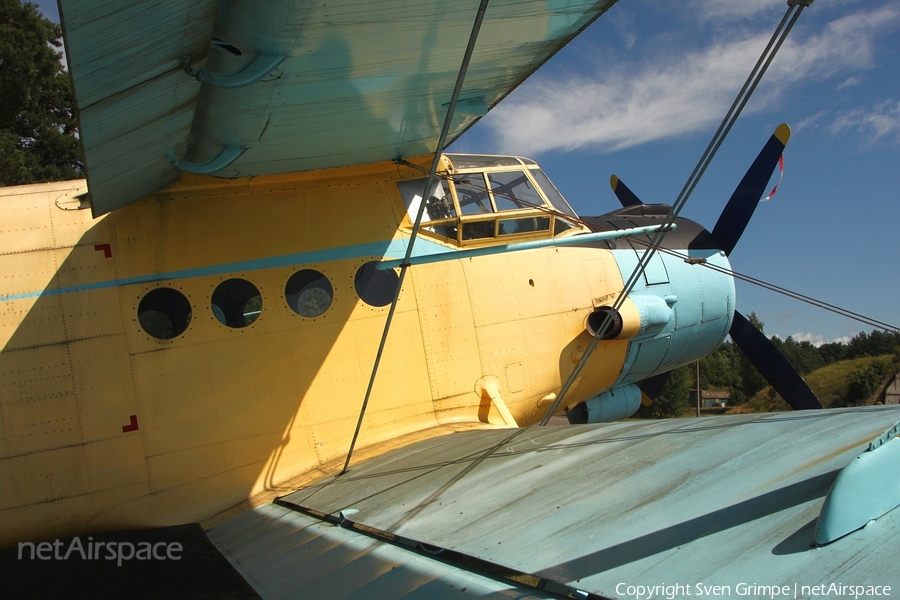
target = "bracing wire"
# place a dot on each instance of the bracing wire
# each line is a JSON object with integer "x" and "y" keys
{"x": 844, "y": 312}
{"x": 765, "y": 59}
{"x": 442, "y": 140}
{"x": 808, "y": 300}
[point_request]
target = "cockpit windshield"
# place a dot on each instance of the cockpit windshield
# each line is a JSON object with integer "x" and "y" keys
{"x": 512, "y": 190}
{"x": 553, "y": 195}
{"x": 490, "y": 197}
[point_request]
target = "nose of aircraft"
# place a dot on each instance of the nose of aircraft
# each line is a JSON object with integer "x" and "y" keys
{"x": 680, "y": 310}
{"x": 691, "y": 275}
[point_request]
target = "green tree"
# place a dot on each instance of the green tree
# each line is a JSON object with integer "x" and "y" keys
{"x": 719, "y": 369}
{"x": 802, "y": 355}
{"x": 833, "y": 352}
{"x": 858, "y": 345}
{"x": 864, "y": 382}
{"x": 674, "y": 398}
{"x": 751, "y": 381}
{"x": 38, "y": 137}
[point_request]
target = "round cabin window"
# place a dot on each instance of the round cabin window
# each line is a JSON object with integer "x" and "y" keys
{"x": 236, "y": 303}
{"x": 375, "y": 287}
{"x": 164, "y": 313}
{"x": 308, "y": 293}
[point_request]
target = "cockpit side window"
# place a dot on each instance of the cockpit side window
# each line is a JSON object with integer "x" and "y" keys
{"x": 440, "y": 213}
{"x": 472, "y": 194}
{"x": 513, "y": 190}
{"x": 439, "y": 205}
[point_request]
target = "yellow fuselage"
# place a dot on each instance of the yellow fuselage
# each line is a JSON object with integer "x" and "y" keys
{"x": 104, "y": 426}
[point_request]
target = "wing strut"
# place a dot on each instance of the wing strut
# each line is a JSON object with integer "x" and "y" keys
{"x": 429, "y": 182}
{"x": 795, "y": 7}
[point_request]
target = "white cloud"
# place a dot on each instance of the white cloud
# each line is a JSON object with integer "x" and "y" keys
{"x": 716, "y": 10}
{"x": 619, "y": 109}
{"x": 735, "y": 10}
{"x": 880, "y": 121}
{"x": 628, "y": 104}
{"x": 624, "y": 26}
{"x": 811, "y": 120}
{"x": 817, "y": 339}
{"x": 849, "y": 82}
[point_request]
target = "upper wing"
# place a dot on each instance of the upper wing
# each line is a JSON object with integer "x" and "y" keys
{"x": 288, "y": 85}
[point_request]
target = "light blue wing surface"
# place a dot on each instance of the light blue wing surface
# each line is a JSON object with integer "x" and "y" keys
{"x": 719, "y": 501}
{"x": 252, "y": 88}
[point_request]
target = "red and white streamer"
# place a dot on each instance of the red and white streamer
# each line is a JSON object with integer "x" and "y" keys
{"x": 781, "y": 168}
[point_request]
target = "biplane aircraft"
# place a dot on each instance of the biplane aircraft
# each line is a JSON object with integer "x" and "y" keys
{"x": 189, "y": 335}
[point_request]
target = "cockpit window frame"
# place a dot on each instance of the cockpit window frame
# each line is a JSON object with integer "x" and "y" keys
{"x": 513, "y": 200}
{"x": 458, "y": 202}
{"x": 549, "y": 221}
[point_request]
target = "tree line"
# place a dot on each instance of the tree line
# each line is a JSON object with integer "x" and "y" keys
{"x": 38, "y": 134}
{"x": 728, "y": 369}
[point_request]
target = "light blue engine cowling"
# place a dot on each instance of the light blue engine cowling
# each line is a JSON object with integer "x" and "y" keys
{"x": 685, "y": 296}
{"x": 686, "y": 309}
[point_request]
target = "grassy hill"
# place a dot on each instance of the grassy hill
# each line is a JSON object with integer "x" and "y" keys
{"x": 832, "y": 384}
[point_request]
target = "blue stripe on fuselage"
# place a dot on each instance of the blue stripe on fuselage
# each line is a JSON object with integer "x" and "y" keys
{"x": 387, "y": 249}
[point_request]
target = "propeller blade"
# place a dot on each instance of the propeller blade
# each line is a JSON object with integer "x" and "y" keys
{"x": 772, "y": 364}
{"x": 625, "y": 195}
{"x": 652, "y": 387}
{"x": 746, "y": 196}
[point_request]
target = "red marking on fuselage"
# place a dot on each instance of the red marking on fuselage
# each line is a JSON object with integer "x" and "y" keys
{"x": 107, "y": 249}
{"x": 133, "y": 426}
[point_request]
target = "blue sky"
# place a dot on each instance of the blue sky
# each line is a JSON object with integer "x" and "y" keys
{"x": 640, "y": 93}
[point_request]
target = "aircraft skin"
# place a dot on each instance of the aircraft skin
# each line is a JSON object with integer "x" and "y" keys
{"x": 104, "y": 426}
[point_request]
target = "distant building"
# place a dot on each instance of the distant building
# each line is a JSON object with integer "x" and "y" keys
{"x": 890, "y": 391}
{"x": 714, "y": 398}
